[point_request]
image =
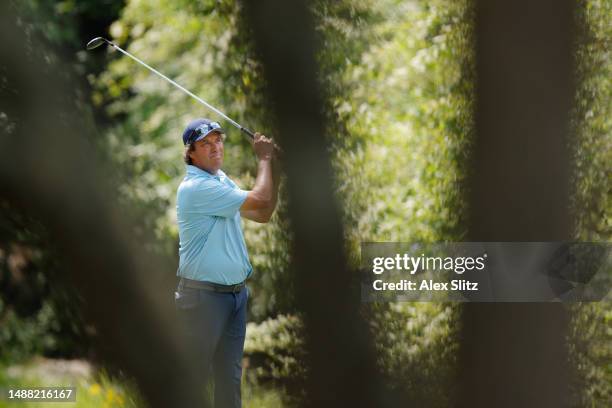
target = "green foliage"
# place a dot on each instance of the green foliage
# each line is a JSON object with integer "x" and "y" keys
{"x": 61, "y": 22}
{"x": 274, "y": 350}
{"x": 417, "y": 350}
{"x": 590, "y": 347}
{"x": 38, "y": 315}
{"x": 22, "y": 337}
{"x": 100, "y": 389}
{"x": 590, "y": 337}
{"x": 592, "y": 123}
{"x": 38, "y": 312}
{"x": 92, "y": 391}
{"x": 411, "y": 108}
{"x": 263, "y": 397}
{"x": 401, "y": 176}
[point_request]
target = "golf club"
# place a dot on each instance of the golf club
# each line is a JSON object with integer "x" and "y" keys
{"x": 98, "y": 41}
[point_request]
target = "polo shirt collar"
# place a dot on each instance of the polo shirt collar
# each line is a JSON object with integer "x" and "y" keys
{"x": 198, "y": 172}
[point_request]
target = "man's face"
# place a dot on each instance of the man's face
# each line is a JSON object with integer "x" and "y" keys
{"x": 208, "y": 153}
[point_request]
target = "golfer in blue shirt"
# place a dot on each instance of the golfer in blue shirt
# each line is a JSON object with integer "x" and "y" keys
{"x": 213, "y": 259}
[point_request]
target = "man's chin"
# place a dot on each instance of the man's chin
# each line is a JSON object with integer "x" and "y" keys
{"x": 217, "y": 163}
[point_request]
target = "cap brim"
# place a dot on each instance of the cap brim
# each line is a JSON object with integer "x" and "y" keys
{"x": 217, "y": 130}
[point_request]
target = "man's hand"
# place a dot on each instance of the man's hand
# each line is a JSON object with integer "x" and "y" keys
{"x": 263, "y": 146}
{"x": 261, "y": 201}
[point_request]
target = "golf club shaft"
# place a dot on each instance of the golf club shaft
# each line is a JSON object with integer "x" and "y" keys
{"x": 202, "y": 101}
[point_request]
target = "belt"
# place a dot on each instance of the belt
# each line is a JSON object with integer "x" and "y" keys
{"x": 215, "y": 287}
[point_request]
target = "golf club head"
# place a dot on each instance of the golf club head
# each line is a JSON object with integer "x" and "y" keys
{"x": 95, "y": 43}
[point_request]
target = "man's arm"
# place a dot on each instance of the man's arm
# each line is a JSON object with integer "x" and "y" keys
{"x": 261, "y": 200}
{"x": 263, "y": 215}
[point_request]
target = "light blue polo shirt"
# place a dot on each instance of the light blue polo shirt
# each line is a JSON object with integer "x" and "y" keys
{"x": 212, "y": 246}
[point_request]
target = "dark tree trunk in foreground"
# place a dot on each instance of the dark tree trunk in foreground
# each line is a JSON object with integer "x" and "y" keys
{"x": 514, "y": 355}
{"x": 48, "y": 169}
{"x": 342, "y": 368}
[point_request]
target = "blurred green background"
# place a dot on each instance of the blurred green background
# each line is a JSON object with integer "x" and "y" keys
{"x": 400, "y": 76}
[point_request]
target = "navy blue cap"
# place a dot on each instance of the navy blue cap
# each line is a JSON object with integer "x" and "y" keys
{"x": 198, "y": 129}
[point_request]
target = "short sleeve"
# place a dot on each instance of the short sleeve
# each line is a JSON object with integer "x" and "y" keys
{"x": 214, "y": 198}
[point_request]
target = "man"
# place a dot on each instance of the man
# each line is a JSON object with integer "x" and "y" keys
{"x": 214, "y": 265}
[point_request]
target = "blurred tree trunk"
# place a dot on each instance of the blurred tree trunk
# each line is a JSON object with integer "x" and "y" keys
{"x": 514, "y": 355}
{"x": 48, "y": 168}
{"x": 341, "y": 364}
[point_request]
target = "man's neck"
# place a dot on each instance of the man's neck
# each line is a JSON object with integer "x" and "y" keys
{"x": 212, "y": 172}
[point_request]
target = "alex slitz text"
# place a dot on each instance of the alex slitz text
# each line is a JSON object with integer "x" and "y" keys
{"x": 426, "y": 285}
